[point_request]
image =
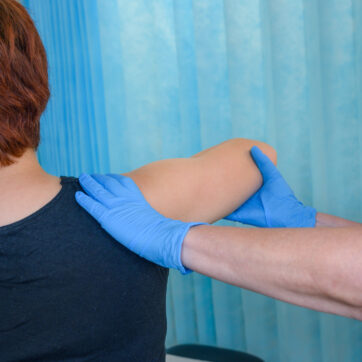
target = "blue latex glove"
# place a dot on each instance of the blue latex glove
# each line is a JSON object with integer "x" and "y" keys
{"x": 274, "y": 204}
{"x": 117, "y": 203}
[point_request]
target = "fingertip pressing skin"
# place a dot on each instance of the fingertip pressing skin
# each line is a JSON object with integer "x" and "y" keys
{"x": 267, "y": 150}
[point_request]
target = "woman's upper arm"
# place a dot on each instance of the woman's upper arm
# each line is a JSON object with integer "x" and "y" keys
{"x": 205, "y": 187}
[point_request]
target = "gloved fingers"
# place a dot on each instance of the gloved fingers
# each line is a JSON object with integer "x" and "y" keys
{"x": 93, "y": 207}
{"x": 110, "y": 184}
{"x": 265, "y": 165}
{"x": 126, "y": 182}
{"x": 94, "y": 189}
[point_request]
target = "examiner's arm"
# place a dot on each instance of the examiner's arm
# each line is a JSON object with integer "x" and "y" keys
{"x": 320, "y": 269}
{"x": 317, "y": 268}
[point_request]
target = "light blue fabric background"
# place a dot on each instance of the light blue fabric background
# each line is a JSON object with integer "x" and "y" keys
{"x": 137, "y": 81}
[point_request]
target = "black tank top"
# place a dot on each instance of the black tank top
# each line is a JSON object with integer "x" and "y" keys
{"x": 71, "y": 292}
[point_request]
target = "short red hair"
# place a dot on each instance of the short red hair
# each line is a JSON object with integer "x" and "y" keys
{"x": 24, "y": 88}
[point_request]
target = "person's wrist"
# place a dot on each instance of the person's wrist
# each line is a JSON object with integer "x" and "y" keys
{"x": 186, "y": 228}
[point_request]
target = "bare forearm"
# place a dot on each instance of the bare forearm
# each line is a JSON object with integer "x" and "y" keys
{"x": 314, "y": 268}
{"x": 326, "y": 220}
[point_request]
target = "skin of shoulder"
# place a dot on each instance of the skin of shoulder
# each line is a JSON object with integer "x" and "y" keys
{"x": 205, "y": 187}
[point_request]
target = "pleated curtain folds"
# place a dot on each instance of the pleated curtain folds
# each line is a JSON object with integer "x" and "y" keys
{"x": 138, "y": 81}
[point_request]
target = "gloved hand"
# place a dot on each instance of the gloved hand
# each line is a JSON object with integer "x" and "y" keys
{"x": 117, "y": 203}
{"x": 274, "y": 204}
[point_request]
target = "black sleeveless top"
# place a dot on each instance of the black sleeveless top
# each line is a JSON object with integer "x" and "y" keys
{"x": 71, "y": 292}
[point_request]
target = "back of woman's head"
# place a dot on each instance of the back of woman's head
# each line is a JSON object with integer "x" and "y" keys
{"x": 24, "y": 89}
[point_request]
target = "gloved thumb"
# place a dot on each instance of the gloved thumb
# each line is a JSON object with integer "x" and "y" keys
{"x": 264, "y": 163}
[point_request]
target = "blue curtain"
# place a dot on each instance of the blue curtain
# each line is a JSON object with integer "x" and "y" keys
{"x": 137, "y": 81}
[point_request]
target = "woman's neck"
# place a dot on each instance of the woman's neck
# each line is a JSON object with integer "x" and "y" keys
{"x": 24, "y": 167}
{"x": 24, "y": 188}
